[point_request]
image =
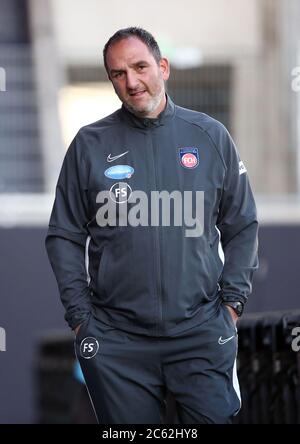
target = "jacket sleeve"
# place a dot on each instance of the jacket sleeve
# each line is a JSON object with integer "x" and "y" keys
{"x": 237, "y": 223}
{"x": 67, "y": 234}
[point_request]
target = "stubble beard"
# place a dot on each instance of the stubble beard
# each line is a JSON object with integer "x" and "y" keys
{"x": 150, "y": 106}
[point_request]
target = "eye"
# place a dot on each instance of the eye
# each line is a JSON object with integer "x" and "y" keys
{"x": 117, "y": 75}
{"x": 141, "y": 67}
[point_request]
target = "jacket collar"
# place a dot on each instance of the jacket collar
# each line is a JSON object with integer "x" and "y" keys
{"x": 145, "y": 122}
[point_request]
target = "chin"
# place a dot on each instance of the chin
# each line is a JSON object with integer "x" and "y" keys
{"x": 141, "y": 111}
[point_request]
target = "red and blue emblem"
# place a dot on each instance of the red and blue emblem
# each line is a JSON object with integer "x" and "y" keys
{"x": 189, "y": 157}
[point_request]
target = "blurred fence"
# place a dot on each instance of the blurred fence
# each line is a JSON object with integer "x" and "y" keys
{"x": 269, "y": 368}
{"x": 20, "y": 149}
{"x": 207, "y": 89}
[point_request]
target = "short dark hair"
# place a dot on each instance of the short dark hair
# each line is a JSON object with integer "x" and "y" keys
{"x": 139, "y": 33}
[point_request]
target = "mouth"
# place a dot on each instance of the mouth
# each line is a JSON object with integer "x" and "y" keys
{"x": 137, "y": 93}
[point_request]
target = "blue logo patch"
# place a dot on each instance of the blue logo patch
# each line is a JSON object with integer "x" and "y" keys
{"x": 189, "y": 157}
{"x": 119, "y": 172}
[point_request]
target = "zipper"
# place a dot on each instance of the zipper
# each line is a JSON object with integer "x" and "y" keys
{"x": 158, "y": 243}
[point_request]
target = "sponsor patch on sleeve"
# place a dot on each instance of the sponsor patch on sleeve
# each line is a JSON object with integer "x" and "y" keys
{"x": 242, "y": 168}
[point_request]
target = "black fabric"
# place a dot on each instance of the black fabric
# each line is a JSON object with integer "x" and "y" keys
{"x": 129, "y": 376}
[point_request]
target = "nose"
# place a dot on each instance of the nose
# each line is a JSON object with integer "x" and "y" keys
{"x": 131, "y": 81}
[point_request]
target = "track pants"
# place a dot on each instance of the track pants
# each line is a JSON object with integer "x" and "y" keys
{"x": 127, "y": 375}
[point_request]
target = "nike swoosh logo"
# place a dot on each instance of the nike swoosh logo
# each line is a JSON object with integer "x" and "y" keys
{"x": 111, "y": 158}
{"x": 223, "y": 341}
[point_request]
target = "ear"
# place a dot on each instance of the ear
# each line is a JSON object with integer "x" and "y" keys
{"x": 164, "y": 67}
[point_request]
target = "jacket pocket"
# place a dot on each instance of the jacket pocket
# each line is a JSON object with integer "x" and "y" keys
{"x": 212, "y": 273}
{"x": 102, "y": 271}
{"x": 83, "y": 329}
{"x": 213, "y": 262}
{"x": 227, "y": 315}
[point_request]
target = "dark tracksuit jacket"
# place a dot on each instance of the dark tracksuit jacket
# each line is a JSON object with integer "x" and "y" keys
{"x": 152, "y": 280}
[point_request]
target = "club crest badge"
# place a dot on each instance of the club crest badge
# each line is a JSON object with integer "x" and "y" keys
{"x": 189, "y": 157}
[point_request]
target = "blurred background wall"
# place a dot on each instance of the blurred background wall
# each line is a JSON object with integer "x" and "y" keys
{"x": 237, "y": 60}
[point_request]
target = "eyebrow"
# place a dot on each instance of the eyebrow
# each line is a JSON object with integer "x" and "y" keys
{"x": 140, "y": 62}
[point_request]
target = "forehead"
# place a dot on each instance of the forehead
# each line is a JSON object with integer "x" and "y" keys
{"x": 128, "y": 51}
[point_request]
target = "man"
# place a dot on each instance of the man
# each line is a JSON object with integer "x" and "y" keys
{"x": 152, "y": 304}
